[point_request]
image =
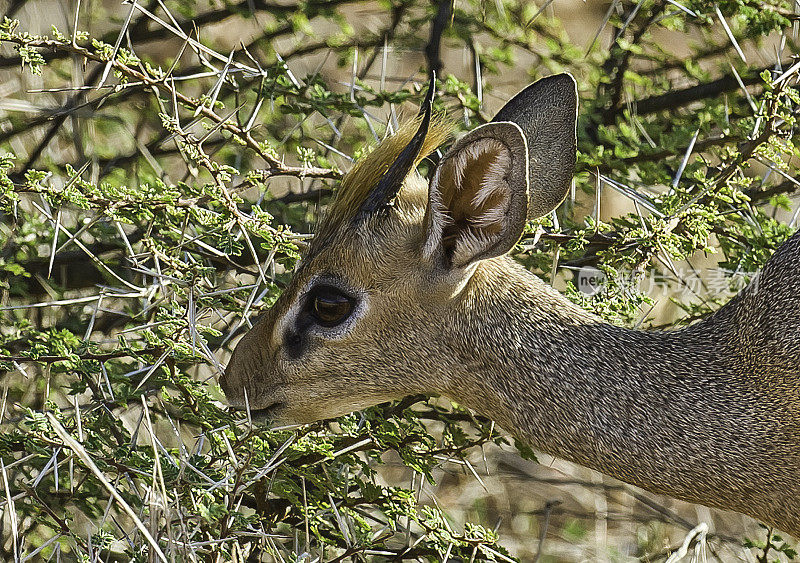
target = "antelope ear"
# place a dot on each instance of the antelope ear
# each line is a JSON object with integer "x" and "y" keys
{"x": 546, "y": 111}
{"x": 519, "y": 166}
{"x": 478, "y": 198}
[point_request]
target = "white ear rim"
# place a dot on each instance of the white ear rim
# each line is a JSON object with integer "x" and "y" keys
{"x": 516, "y": 177}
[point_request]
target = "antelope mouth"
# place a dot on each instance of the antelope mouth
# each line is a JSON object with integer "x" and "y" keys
{"x": 267, "y": 414}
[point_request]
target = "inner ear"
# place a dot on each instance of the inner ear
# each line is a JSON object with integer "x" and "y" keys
{"x": 478, "y": 196}
{"x": 475, "y": 192}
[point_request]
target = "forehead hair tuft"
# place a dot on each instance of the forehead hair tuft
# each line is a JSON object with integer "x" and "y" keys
{"x": 366, "y": 173}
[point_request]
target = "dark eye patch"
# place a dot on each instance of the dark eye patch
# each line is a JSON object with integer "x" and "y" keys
{"x": 295, "y": 343}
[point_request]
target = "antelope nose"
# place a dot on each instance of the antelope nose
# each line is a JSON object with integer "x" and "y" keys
{"x": 247, "y": 366}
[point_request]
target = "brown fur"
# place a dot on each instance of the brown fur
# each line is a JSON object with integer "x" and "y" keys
{"x": 709, "y": 413}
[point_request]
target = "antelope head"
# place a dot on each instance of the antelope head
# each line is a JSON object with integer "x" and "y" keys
{"x": 387, "y": 272}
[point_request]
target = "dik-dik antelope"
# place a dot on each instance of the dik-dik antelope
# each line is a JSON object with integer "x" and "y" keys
{"x": 407, "y": 288}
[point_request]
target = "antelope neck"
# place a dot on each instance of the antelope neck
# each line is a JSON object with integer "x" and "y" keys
{"x": 671, "y": 412}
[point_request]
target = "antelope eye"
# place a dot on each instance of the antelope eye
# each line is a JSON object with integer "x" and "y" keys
{"x": 329, "y": 306}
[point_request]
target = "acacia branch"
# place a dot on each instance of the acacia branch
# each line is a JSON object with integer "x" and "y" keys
{"x": 434, "y": 46}
{"x": 139, "y": 32}
{"x": 101, "y": 357}
{"x": 685, "y": 96}
{"x": 619, "y": 60}
{"x": 276, "y": 167}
